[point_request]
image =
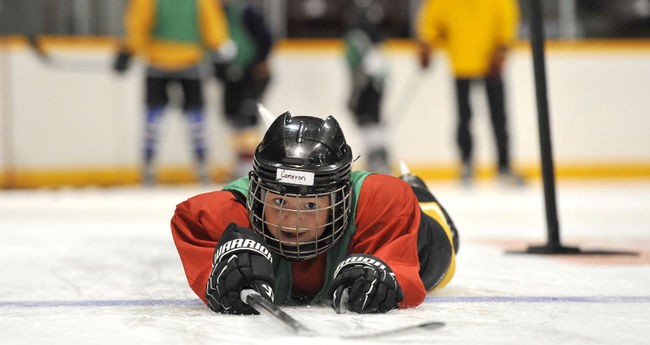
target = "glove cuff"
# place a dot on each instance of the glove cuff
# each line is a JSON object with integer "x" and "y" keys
{"x": 236, "y": 239}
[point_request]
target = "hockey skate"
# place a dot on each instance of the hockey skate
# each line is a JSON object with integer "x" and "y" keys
{"x": 507, "y": 177}
{"x": 420, "y": 188}
{"x": 378, "y": 161}
{"x": 424, "y": 195}
{"x": 148, "y": 177}
{"x": 202, "y": 174}
{"x": 467, "y": 174}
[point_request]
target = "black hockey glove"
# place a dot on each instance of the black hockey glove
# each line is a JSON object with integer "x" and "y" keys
{"x": 364, "y": 284}
{"x": 220, "y": 69}
{"x": 222, "y": 59}
{"x": 227, "y": 72}
{"x": 122, "y": 61}
{"x": 240, "y": 261}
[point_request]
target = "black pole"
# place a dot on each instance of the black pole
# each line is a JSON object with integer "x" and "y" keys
{"x": 544, "y": 128}
{"x": 553, "y": 245}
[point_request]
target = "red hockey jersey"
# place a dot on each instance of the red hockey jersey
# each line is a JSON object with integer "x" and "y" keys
{"x": 387, "y": 222}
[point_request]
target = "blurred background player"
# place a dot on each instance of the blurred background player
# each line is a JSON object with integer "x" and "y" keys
{"x": 245, "y": 77}
{"x": 363, "y": 39}
{"x": 172, "y": 37}
{"x": 477, "y": 35}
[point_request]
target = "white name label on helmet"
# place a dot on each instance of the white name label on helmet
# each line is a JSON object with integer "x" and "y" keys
{"x": 303, "y": 178}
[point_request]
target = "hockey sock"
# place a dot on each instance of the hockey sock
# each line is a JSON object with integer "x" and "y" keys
{"x": 197, "y": 131}
{"x": 244, "y": 141}
{"x": 376, "y": 143}
{"x": 152, "y": 125}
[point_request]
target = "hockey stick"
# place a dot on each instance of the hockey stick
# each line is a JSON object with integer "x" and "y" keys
{"x": 428, "y": 326}
{"x": 66, "y": 64}
{"x": 404, "y": 99}
{"x": 262, "y": 305}
{"x": 343, "y": 307}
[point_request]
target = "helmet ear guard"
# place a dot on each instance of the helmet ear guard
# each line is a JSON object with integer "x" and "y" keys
{"x": 302, "y": 157}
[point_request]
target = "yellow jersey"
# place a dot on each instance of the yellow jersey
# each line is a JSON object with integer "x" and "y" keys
{"x": 469, "y": 30}
{"x": 173, "y": 34}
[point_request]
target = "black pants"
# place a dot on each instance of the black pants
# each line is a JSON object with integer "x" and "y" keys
{"x": 240, "y": 99}
{"x": 157, "y": 95}
{"x": 496, "y": 101}
{"x": 365, "y": 104}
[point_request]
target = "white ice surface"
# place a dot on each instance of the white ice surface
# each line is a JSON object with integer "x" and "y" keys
{"x": 98, "y": 266}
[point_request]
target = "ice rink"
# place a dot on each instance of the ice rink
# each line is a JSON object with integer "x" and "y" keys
{"x": 98, "y": 266}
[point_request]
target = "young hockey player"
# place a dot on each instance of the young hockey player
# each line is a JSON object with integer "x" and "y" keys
{"x": 245, "y": 77}
{"x": 363, "y": 40}
{"x": 172, "y": 37}
{"x": 303, "y": 228}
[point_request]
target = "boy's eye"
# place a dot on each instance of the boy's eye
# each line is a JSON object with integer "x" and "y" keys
{"x": 311, "y": 206}
{"x": 279, "y": 201}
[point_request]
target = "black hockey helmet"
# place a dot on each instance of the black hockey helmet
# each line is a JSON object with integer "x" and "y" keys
{"x": 301, "y": 157}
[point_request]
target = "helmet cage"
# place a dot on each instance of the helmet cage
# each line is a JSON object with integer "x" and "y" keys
{"x": 338, "y": 214}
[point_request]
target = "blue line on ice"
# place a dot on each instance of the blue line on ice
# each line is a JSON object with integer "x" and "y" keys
{"x": 537, "y": 299}
{"x": 428, "y": 299}
{"x": 100, "y": 303}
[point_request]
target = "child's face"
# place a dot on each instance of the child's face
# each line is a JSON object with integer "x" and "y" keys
{"x": 295, "y": 220}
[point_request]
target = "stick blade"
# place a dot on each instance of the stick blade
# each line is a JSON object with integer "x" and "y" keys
{"x": 425, "y": 326}
{"x": 431, "y": 325}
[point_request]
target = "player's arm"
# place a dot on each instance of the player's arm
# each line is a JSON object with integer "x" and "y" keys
{"x": 197, "y": 225}
{"x": 213, "y": 24}
{"x": 138, "y": 21}
{"x": 260, "y": 33}
{"x": 506, "y": 34}
{"x": 427, "y": 30}
{"x": 509, "y": 22}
